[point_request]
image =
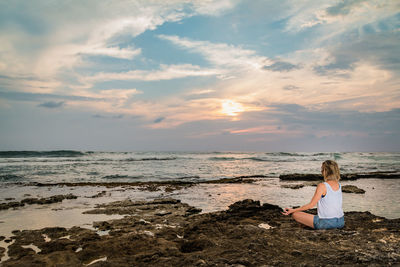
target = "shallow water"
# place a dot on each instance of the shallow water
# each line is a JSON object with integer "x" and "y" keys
{"x": 381, "y": 197}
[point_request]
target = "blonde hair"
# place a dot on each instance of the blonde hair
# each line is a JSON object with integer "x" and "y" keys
{"x": 330, "y": 170}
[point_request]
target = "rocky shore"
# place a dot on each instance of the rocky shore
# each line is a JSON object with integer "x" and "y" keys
{"x": 166, "y": 232}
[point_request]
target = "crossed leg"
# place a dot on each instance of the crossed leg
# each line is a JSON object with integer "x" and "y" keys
{"x": 304, "y": 218}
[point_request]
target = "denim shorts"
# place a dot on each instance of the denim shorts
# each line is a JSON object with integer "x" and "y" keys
{"x": 328, "y": 223}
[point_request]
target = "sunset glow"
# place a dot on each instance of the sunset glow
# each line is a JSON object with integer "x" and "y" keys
{"x": 231, "y": 108}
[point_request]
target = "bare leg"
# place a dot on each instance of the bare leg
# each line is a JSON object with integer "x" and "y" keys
{"x": 304, "y": 218}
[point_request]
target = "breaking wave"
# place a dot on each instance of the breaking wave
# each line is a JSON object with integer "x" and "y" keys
{"x": 10, "y": 177}
{"x": 47, "y": 154}
{"x": 222, "y": 158}
{"x": 149, "y": 159}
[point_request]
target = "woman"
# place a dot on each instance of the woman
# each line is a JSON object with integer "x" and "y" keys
{"x": 328, "y": 197}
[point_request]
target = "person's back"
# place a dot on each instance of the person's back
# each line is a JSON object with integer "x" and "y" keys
{"x": 330, "y": 205}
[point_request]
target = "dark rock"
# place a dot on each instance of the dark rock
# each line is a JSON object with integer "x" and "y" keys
{"x": 168, "y": 186}
{"x": 8, "y": 205}
{"x": 52, "y": 199}
{"x": 201, "y": 263}
{"x": 247, "y": 205}
{"x": 293, "y": 186}
{"x": 348, "y": 176}
{"x": 235, "y": 180}
{"x": 102, "y": 225}
{"x": 301, "y": 177}
{"x": 100, "y": 194}
{"x": 195, "y": 245}
{"x": 41, "y": 201}
{"x": 192, "y": 210}
{"x": 165, "y": 201}
{"x": 2, "y": 250}
{"x": 163, "y": 213}
{"x": 352, "y": 189}
{"x": 296, "y": 253}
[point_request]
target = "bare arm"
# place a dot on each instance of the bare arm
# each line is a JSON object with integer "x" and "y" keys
{"x": 321, "y": 189}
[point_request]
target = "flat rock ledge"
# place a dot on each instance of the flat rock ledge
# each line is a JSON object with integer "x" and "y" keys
{"x": 39, "y": 201}
{"x": 345, "y": 188}
{"x": 346, "y": 176}
{"x": 352, "y": 189}
{"x": 166, "y": 232}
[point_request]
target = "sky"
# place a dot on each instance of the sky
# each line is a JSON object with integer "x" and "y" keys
{"x": 210, "y": 75}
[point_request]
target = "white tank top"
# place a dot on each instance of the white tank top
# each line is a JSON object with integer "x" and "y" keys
{"x": 330, "y": 206}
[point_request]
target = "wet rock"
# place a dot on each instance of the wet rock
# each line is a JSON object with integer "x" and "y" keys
{"x": 195, "y": 245}
{"x": 224, "y": 238}
{"x": 201, "y": 263}
{"x": 163, "y": 213}
{"x": 293, "y": 186}
{"x": 41, "y": 201}
{"x": 192, "y": 210}
{"x": 165, "y": 201}
{"x": 236, "y": 180}
{"x": 296, "y": 253}
{"x": 2, "y": 250}
{"x": 48, "y": 200}
{"x": 2, "y": 238}
{"x": 150, "y": 187}
{"x": 348, "y": 176}
{"x": 13, "y": 204}
{"x": 352, "y": 189}
{"x": 301, "y": 177}
{"x": 168, "y": 186}
{"x": 245, "y": 206}
{"x": 100, "y": 194}
{"x": 172, "y": 188}
{"x": 102, "y": 225}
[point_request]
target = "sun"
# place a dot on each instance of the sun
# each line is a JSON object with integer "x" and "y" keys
{"x": 231, "y": 108}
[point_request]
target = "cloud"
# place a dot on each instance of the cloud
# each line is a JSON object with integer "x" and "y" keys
{"x": 21, "y": 96}
{"x": 336, "y": 17}
{"x": 111, "y": 100}
{"x": 52, "y": 104}
{"x": 98, "y": 116}
{"x": 343, "y": 8}
{"x": 378, "y": 48}
{"x": 290, "y": 87}
{"x": 72, "y": 30}
{"x": 221, "y": 54}
{"x": 166, "y": 72}
{"x": 158, "y": 120}
{"x": 281, "y": 66}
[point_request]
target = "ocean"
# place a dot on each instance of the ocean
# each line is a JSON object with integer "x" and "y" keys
{"x": 88, "y": 166}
